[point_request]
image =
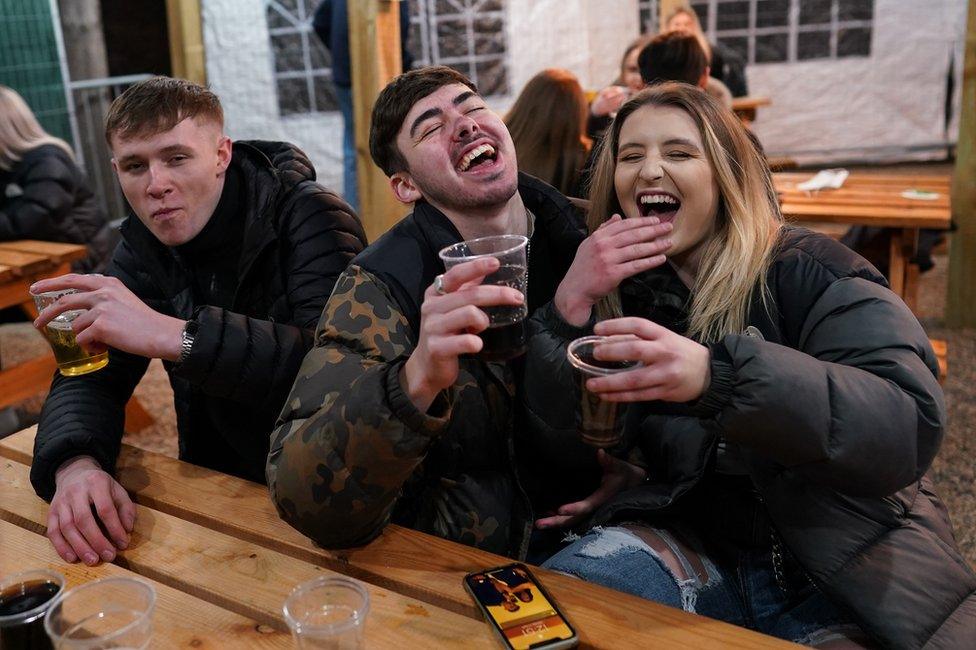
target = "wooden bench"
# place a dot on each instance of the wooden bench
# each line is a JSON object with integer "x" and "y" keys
{"x": 191, "y": 511}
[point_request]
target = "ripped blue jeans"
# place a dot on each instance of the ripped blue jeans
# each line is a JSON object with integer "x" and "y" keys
{"x": 746, "y": 595}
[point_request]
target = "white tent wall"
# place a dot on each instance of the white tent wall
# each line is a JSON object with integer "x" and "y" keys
{"x": 240, "y": 69}
{"x": 587, "y": 37}
{"x": 887, "y": 106}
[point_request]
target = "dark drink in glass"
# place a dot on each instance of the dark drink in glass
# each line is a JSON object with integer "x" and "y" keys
{"x": 503, "y": 341}
{"x": 505, "y": 337}
{"x": 601, "y": 422}
{"x": 24, "y": 600}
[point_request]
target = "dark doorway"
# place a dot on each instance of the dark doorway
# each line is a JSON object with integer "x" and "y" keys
{"x": 136, "y": 37}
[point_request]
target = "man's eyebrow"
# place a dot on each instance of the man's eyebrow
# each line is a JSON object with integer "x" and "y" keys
{"x": 433, "y": 112}
{"x": 463, "y": 97}
{"x": 426, "y": 115}
{"x": 127, "y": 159}
{"x": 174, "y": 148}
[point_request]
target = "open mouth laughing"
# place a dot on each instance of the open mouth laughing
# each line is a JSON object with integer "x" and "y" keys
{"x": 656, "y": 203}
{"x": 480, "y": 157}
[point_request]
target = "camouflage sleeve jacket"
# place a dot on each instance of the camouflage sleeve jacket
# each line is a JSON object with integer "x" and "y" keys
{"x": 348, "y": 437}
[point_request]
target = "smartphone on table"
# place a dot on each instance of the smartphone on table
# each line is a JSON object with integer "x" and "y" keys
{"x": 519, "y": 610}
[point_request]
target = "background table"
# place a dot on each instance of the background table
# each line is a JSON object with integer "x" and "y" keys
{"x": 875, "y": 200}
{"x": 214, "y": 539}
{"x": 22, "y": 263}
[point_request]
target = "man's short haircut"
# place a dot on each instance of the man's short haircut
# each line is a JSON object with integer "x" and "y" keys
{"x": 672, "y": 56}
{"x": 393, "y": 104}
{"x": 157, "y": 105}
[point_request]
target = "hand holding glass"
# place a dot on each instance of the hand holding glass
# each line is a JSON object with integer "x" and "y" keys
{"x": 72, "y": 359}
{"x": 505, "y": 337}
{"x": 601, "y": 424}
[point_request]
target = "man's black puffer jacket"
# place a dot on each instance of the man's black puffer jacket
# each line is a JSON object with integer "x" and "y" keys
{"x": 831, "y": 397}
{"x": 298, "y": 238}
{"x": 55, "y": 204}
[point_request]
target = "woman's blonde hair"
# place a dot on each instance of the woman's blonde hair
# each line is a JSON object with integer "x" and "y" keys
{"x": 20, "y": 131}
{"x": 548, "y": 126}
{"x": 735, "y": 260}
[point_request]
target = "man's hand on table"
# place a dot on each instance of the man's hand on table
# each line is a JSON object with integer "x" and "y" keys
{"x": 114, "y": 317}
{"x": 82, "y": 490}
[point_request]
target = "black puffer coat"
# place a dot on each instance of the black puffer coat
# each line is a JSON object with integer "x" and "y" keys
{"x": 298, "y": 238}
{"x": 838, "y": 414}
{"x": 54, "y": 203}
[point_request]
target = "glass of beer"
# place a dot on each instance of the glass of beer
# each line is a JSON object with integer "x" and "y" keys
{"x": 24, "y": 600}
{"x": 106, "y": 613}
{"x": 601, "y": 422}
{"x": 72, "y": 358}
{"x": 505, "y": 337}
{"x": 328, "y": 612}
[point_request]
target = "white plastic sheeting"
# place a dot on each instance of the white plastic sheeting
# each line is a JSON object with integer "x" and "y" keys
{"x": 887, "y": 106}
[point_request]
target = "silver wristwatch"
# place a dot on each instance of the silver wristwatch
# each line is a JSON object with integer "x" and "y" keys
{"x": 186, "y": 340}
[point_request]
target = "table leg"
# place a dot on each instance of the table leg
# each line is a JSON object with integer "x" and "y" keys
{"x": 902, "y": 272}
{"x": 896, "y": 263}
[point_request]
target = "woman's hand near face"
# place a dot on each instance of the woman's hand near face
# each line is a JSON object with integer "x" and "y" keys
{"x": 609, "y": 100}
{"x": 676, "y": 369}
{"x": 617, "y": 250}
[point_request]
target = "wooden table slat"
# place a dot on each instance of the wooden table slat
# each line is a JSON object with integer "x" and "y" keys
{"x": 57, "y": 251}
{"x": 242, "y": 577}
{"x": 179, "y": 620}
{"x": 22, "y": 263}
{"x": 403, "y": 560}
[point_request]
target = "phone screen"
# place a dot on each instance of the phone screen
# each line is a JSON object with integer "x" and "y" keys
{"x": 518, "y": 607}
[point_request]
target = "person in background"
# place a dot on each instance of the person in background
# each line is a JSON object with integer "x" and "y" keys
{"x": 331, "y": 23}
{"x": 43, "y": 193}
{"x": 548, "y": 126}
{"x": 786, "y": 412}
{"x": 678, "y": 56}
{"x": 222, "y": 273}
{"x": 606, "y": 103}
{"x": 725, "y": 65}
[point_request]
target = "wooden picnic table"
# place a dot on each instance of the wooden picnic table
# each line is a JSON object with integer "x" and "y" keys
{"x": 746, "y": 107}
{"x": 227, "y": 562}
{"x": 23, "y": 262}
{"x": 875, "y": 200}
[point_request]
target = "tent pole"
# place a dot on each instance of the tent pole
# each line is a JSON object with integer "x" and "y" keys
{"x": 374, "y": 49}
{"x": 961, "y": 298}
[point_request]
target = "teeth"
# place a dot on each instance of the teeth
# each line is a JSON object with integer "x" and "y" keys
{"x": 474, "y": 153}
{"x": 658, "y": 198}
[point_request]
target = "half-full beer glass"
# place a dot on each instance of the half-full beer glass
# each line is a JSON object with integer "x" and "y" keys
{"x": 505, "y": 337}
{"x": 601, "y": 422}
{"x": 71, "y": 357}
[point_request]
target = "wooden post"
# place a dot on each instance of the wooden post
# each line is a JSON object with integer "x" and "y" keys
{"x": 374, "y": 50}
{"x": 186, "y": 40}
{"x": 668, "y": 7}
{"x": 961, "y": 299}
